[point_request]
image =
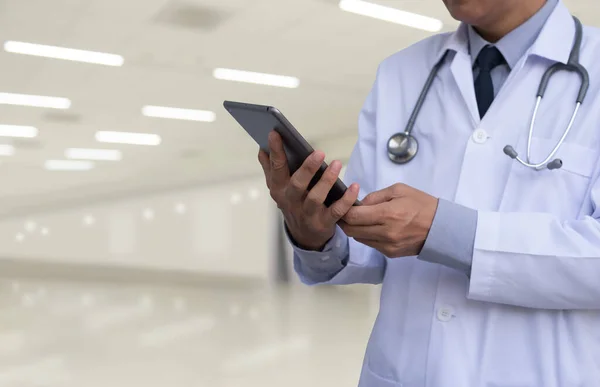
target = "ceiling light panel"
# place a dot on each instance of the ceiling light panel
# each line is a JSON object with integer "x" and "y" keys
{"x": 178, "y": 113}
{"x": 256, "y": 78}
{"x": 93, "y": 154}
{"x": 7, "y": 150}
{"x": 128, "y": 138}
{"x": 34, "y": 101}
{"x": 390, "y": 14}
{"x": 18, "y": 131}
{"x": 63, "y": 53}
{"x": 68, "y": 165}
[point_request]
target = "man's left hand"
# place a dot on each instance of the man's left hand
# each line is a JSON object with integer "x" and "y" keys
{"x": 395, "y": 220}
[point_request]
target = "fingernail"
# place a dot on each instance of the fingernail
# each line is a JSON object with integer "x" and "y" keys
{"x": 336, "y": 166}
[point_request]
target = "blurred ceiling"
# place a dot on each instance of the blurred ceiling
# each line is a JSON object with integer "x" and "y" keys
{"x": 170, "y": 49}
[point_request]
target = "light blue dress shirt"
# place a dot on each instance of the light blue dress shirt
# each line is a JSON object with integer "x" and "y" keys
{"x": 451, "y": 237}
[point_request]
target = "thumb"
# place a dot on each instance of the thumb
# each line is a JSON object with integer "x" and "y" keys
{"x": 384, "y": 195}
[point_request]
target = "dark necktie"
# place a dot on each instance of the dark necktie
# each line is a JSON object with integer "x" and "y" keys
{"x": 487, "y": 60}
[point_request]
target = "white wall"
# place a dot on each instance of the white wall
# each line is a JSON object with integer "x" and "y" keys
{"x": 219, "y": 229}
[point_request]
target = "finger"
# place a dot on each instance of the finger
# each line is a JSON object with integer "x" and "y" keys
{"x": 296, "y": 191}
{"x": 366, "y": 215}
{"x": 341, "y": 207}
{"x": 317, "y": 195}
{"x": 384, "y": 195}
{"x": 280, "y": 173}
{"x": 265, "y": 163}
{"x": 376, "y": 233}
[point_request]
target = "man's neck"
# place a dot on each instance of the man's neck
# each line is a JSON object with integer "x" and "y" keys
{"x": 498, "y": 27}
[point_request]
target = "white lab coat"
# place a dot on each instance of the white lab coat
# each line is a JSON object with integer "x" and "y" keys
{"x": 529, "y": 316}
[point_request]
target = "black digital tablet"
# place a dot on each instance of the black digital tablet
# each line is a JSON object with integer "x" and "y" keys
{"x": 259, "y": 120}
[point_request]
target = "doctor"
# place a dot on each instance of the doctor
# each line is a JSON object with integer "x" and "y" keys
{"x": 490, "y": 268}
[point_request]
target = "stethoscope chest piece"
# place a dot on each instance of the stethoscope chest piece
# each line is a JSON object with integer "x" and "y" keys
{"x": 402, "y": 148}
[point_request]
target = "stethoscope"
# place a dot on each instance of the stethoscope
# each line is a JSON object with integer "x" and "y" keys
{"x": 403, "y": 147}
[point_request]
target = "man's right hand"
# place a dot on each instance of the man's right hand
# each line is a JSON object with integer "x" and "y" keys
{"x": 308, "y": 220}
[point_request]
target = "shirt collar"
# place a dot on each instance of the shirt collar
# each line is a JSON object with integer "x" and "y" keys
{"x": 516, "y": 43}
{"x": 554, "y": 41}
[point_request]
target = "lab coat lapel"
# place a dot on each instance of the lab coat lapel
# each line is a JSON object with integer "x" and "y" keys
{"x": 461, "y": 69}
{"x": 463, "y": 76}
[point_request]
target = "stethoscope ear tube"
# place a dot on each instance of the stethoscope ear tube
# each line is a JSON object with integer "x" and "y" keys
{"x": 573, "y": 65}
{"x": 512, "y": 153}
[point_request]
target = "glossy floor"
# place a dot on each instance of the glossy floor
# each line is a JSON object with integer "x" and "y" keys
{"x": 71, "y": 334}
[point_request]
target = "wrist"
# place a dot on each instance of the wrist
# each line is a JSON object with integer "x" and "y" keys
{"x": 311, "y": 243}
{"x": 307, "y": 242}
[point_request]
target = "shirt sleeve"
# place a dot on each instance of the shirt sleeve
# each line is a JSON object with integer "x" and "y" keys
{"x": 451, "y": 237}
{"x": 321, "y": 266}
{"x": 345, "y": 261}
{"x": 538, "y": 260}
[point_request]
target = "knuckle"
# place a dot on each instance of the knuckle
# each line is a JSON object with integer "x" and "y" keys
{"x": 390, "y": 235}
{"x": 350, "y": 218}
{"x": 394, "y": 215}
{"x": 397, "y": 188}
{"x": 277, "y": 197}
{"x": 295, "y": 183}
{"x": 274, "y": 195}
{"x": 312, "y": 200}
{"x": 278, "y": 163}
{"x": 310, "y": 164}
{"x": 337, "y": 211}
{"x": 402, "y": 215}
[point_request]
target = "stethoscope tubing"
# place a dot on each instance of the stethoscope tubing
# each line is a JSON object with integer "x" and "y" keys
{"x": 402, "y": 156}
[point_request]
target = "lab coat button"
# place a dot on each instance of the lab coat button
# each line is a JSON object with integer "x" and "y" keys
{"x": 325, "y": 258}
{"x": 445, "y": 313}
{"x": 480, "y": 136}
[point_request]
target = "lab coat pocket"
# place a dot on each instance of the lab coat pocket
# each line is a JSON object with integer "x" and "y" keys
{"x": 371, "y": 379}
{"x": 561, "y": 192}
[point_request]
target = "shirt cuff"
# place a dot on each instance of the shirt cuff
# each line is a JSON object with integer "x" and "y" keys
{"x": 331, "y": 259}
{"x": 451, "y": 238}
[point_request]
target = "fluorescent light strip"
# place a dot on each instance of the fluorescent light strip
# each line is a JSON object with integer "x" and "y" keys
{"x": 93, "y": 154}
{"x": 68, "y": 165}
{"x": 34, "y": 101}
{"x": 7, "y": 150}
{"x": 256, "y": 78}
{"x": 393, "y": 15}
{"x": 178, "y": 113}
{"x": 18, "y": 131}
{"x": 128, "y": 138}
{"x": 63, "y": 53}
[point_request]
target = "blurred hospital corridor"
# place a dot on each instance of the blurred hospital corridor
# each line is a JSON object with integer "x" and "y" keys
{"x": 97, "y": 334}
{"x": 139, "y": 243}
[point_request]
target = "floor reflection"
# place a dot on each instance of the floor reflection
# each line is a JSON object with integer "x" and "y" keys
{"x": 71, "y": 334}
